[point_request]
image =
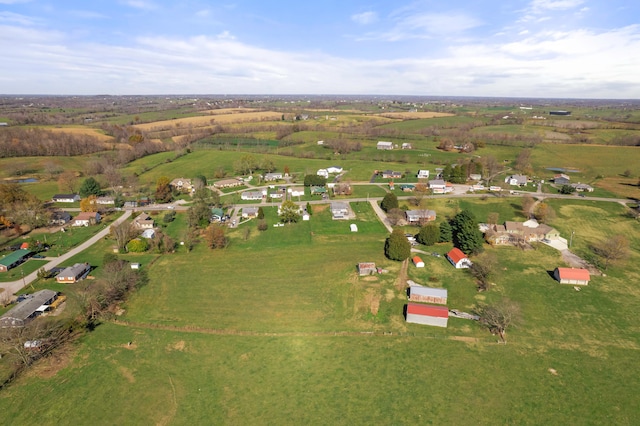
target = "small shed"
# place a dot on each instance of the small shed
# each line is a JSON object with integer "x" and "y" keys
{"x": 572, "y": 276}
{"x": 354, "y": 227}
{"x": 418, "y": 262}
{"x": 417, "y": 313}
{"x": 367, "y": 268}
{"x": 427, "y": 294}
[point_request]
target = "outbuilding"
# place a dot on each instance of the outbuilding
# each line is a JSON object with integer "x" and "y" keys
{"x": 28, "y": 309}
{"x": 418, "y": 262}
{"x": 458, "y": 258}
{"x": 577, "y": 276}
{"x": 367, "y": 268}
{"x": 427, "y": 294}
{"x": 417, "y": 313}
{"x": 14, "y": 259}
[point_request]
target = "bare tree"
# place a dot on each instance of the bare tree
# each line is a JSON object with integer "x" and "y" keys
{"x": 498, "y": 317}
{"x": 122, "y": 233}
{"x": 395, "y": 216}
{"x": 482, "y": 269}
{"x": 527, "y": 204}
{"x": 612, "y": 249}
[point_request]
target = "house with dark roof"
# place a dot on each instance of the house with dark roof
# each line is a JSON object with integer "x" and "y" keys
{"x": 516, "y": 180}
{"x": 576, "y": 276}
{"x": 59, "y": 217}
{"x": 14, "y": 259}
{"x": 561, "y": 179}
{"x": 28, "y": 309}
{"x": 73, "y": 273}
{"x": 418, "y": 313}
{"x": 458, "y": 258}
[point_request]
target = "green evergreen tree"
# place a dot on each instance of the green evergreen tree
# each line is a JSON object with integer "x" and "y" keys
{"x": 260, "y": 213}
{"x": 397, "y": 247}
{"x": 390, "y": 201}
{"x": 309, "y": 210}
{"x": 446, "y": 233}
{"x": 429, "y": 234}
{"x": 466, "y": 234}
{"x": 90, "y": 186}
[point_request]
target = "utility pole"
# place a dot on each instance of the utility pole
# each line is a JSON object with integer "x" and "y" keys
{"x": 571, "y": 240}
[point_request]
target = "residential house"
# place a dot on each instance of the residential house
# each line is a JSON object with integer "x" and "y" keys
{"x": 143, "y": 221}
{"x": 251, "y": 195}
{"x": 73, "y": 273}
{"x": 106, "y": 200}
{"x": 418, "y": 262}
{"x": 407, "y": 187}
{"x": 249, "y": 212}
{"x": 582, "y": 187}
{"x": 334, "y": 170}
{"x": 268, "y": 177}
{"x": 318, "y": 190}
{"x": 86, "y": 219}
{"x": 514, "y": 233}
{"x": 438, "y": 186}
{"x": 66, "y": 198}
{"x": 427, "y": 314}
{"x": 422, "y": 294}
{"x": 423, "y": 174}
{"x": 59, "y": 217}
{"x": 458, "y": 258}
{"x": 572, "y": 276}
{"x": 276, "y": 195}
{"x": 516, "y": 180}
{"x": 182, "y": 185}
{"x": 561, "y": 179}
{"x": 227, "y": 183}
{"x": 14, "y": 259}
{"x": 296, "y": 191}
{"x": 367, "y": 268}
{"x": 420, "y": 216}
{"x": 339, "y": 210}
{"x": 384, "y": 145}
{"x": 323, "y": 172}
{"x": 28, "y": 309}
{"x": 390, "y": 174}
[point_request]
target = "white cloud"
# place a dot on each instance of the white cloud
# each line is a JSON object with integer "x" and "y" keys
{"x": 579, "y": 63}
{"x": 365, "y": 18}
{"x": 543, "y": 5}
{"x": 140, "y": 4}
{"x": 15, "y": 18}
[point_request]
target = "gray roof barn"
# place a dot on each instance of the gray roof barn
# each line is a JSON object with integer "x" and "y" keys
{"x": 27, "y": 310}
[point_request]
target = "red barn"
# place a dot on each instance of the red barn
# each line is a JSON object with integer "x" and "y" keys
{"x": 427, "y": 314}
{"x": 572, "y": 276}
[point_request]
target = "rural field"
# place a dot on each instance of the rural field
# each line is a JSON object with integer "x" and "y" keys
{"x": 279, "y": 328}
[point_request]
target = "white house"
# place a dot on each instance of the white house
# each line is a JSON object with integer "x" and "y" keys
{"x": 423, "y": 174}
{"x": 385, "y": 145}
{"x": 272, "y": 176}
{"x": 296, "y": 191}
{"x": 86, "y": 219}
{"x": 334, "y": 169}
{"x": 323, "y": 172}
{"x": 66, "y": 198}
{"x": 339, "y": 210}
{"x": 249, "y": 211}
{"x": 251, "y": 195}
{"x": 438, "y": 186}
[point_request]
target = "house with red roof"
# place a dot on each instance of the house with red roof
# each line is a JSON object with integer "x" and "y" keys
{"x": 418, "y": 313}
{"x": 577, "y": 276}
{"x": 458, "y": 258}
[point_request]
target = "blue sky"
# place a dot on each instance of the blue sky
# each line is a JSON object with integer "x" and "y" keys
{"x": 527, "y": 48}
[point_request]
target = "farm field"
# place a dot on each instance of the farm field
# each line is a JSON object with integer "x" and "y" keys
{"x": 286, "y": 336}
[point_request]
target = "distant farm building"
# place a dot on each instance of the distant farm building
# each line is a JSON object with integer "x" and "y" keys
{"x": 367, "y": 268}
{"x": 427, "y": 294}
{"x": 572, "y": 276}
{"x": 560, "y": 112}
{"x": 384, "y": 145}
{"x": 418, "y": 262}
{"x": 458, "y": 258}
{"x": 417, "y": 313}
{"x": 14, "y": 259}
{"x": 28, "y": 309}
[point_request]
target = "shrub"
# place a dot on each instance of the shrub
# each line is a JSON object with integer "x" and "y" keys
{"x": 137, "y": 245}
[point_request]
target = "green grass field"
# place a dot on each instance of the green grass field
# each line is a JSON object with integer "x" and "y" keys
{"x": 279, "y": 329}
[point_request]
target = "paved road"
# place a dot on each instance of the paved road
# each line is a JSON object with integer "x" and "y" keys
{"x": 15, "y": 286}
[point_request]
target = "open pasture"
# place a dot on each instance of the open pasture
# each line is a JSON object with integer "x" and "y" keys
{"x": 209, "y": 120}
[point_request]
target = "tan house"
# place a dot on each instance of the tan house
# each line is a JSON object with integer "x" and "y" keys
{"x": 143, "y": 221}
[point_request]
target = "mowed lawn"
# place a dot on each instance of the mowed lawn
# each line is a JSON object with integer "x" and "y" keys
{"x": 278, "y": 329}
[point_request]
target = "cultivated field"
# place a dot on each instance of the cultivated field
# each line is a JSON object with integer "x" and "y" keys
{"x": 199, "y": 121}
{"x": 416, "y": 115}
